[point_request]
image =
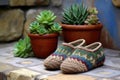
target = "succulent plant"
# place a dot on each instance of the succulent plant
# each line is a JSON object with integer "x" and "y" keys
{"x": 93, "y": 10}
{"x": 45, "y": 23}
{"x": 75, "y": 15}
{"x": 37, "y": 28}
{"x": 23, "y": 48}
{"x": 92, "y": 18}
{"x": 55, "y": 27}
{"x": 46, "y": 17}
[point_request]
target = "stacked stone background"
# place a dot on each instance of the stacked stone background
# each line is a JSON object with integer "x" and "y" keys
{"x": 16, "y": 15}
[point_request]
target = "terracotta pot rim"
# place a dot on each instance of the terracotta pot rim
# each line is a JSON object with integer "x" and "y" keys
{"x": 82, "y": 27}
{"x": 43, "y": 36}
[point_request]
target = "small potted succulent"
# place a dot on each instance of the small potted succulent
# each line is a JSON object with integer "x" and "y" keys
{"x": 23, "y": 48}
{"x": 80, "y": 21}
{"x": 44, "y": 33}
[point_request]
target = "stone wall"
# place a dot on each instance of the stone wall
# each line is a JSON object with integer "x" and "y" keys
{"x": 11, "y": 24}
{"x": 16, "y": 15}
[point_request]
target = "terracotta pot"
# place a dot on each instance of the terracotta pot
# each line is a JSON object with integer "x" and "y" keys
{"x": 43, "y": 45}
{"x": 91, "y": 33}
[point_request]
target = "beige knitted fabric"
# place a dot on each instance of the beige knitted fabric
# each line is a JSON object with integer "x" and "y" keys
{"x": 54, "y": 60}
{"x": 72, "y": 66}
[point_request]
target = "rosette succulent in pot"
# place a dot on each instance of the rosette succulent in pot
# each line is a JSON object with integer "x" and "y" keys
{"x": 44, "y": 34}
{"x": 45, "y": 23}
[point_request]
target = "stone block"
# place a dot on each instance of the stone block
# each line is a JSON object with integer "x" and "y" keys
{"x": 22, "y": 74}
{"x": 42, "y": 2}
{"x": 30, "y": 2}
{"x": 4, "y": 70}
{"x": 37, "y": 2}
{"x": 56, "y": 2}
{"x": 11, "y": 24}
{"x": 17, "y": 2}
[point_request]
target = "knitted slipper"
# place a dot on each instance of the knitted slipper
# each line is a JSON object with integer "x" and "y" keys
{"x": 54, "y": 60}
{"x": 84, "y": 59}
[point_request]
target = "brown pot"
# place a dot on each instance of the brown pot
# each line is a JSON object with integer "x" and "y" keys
{"x": 43, "y": 45}
{"x": 91, "y": 33}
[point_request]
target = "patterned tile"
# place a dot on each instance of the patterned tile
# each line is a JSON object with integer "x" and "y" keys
{"x": 113, "y": 62}
{"x": 21, "y": 62}
{"x": 112, "y": 53}
{"x": 42, "y": 69}
{"x": 103, "y": 72}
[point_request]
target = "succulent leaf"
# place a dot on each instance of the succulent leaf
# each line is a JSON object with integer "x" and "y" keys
{"x": 46, "y": 17}
{"x": 75, "y": 15}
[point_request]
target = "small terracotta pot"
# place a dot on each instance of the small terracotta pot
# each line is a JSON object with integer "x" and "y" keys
{"x": 43, "y": 45}
{"x": 91, "y": 33}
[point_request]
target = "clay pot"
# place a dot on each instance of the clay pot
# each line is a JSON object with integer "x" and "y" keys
{"x": 43, "y": 45}
{"x": 91, "y": 33}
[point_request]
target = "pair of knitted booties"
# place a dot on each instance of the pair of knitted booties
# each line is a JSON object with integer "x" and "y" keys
{"x": 75, "y": 57}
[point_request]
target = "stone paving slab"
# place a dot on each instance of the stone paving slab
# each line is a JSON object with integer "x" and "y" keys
{"x": 5, "y": 69}
{"x": 112, "y": 53}
{"x": 44, "y": 72}
{"x": 113, "y": 62}
{"x": 103, "y": 72}
{"x": 22, "y": 74}
{"x": 68, "y": 77}
{"x": 19, "y": 62}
